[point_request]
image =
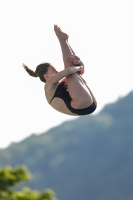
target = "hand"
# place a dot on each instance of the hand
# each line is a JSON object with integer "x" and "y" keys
{"x": 77, "y": 62}
{"x": 74, "y": 59}
{"x": 81, "y": 72}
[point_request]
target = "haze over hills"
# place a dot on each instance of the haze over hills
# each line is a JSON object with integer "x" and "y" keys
{"x": 89, "y": 158}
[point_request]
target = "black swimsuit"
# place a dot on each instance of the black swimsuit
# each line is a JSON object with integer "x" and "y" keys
{"x": 61, "y": 92}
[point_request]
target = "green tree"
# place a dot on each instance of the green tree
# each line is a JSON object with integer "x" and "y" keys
{"x": 12, "y": 177}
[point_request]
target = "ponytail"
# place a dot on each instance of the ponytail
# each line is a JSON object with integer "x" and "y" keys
{"x": 29, "y": 71}
{"x": 40, "y": 71}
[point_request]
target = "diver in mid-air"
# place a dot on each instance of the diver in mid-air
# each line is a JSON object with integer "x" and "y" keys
{"x": 66, "y": 91}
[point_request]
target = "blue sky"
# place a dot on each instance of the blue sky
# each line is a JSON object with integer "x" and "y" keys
{"x": 101, "y": 34}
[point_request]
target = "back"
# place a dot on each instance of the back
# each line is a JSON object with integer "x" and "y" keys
{"x": 55, "y": 94}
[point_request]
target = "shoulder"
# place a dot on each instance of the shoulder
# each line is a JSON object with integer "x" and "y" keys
{"x": 50, "y": 82}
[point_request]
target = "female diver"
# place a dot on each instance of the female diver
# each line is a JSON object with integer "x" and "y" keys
{"x": 66, "y": 91}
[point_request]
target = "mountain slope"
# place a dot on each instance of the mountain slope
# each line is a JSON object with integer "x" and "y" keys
{"x": 87, "y": 158}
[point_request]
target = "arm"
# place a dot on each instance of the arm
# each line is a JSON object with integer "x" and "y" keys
{"x": 66, "y": 72}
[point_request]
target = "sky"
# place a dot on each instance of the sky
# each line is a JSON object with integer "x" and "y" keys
{"x": 100, "y": 33}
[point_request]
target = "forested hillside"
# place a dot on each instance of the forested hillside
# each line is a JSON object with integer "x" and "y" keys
{"x": 90, "y": 158}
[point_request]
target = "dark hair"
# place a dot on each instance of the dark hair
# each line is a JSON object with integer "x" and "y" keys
{"x": 39, "y": 72}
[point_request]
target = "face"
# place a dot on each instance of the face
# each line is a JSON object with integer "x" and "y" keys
{"x": 51, "y": 71}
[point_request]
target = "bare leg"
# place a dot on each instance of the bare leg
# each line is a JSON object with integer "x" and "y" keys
{"x": 72, "y": 50}
{"x": 93, "y": 97}
{"x": 78, "y": 91}
{"x": 81, "y": 63}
